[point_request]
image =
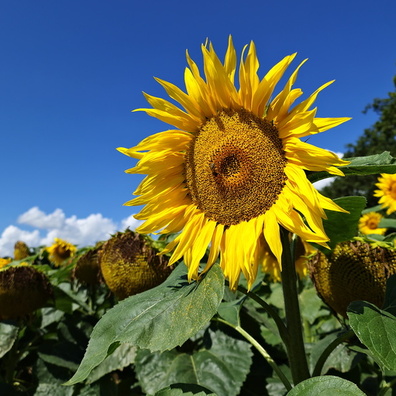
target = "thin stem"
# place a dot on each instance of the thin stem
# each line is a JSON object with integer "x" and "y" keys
{"x": 388, "y": 386}
{"x": 261, "y": 350}
{"x": 329, "y": 349}
{"x": 295, "y": 348}
{"x": 270, "y": 311}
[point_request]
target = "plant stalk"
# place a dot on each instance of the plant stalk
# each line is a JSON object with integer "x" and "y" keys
{"x": 295, "y": 345}
{"x": 261, "y": 350}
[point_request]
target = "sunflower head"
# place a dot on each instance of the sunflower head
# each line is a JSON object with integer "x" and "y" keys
{"x": 130, "y": 265}
{"x": 87, "y": 269}
{"x": 355, "y": 270}
{"x": 4, "y": 262}
{"x": 21, "y": 250}
{"x": 23, "y": 289}
{"x": 368, "y": 224}
{"x": 60, "y": 251}
{"x": 387, "y": 192}
{"x": 231, "y": 171}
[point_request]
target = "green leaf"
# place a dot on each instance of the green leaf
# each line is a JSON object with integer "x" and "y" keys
{"x": 387, "y": 223}
{"x": 122, "y": 357}
{"x": 390, "y": 295}
{"x": 50, "y": 379}
{"x": 376, "y": 329}
{"x": 61, "y": 353}
{"x": 367, "y": 165}
{"x": 8, "y": 335}
{"x": 341, "y": 227}
{"x": 229, "y": 311}
{"x": 185, "y": 390}
{"x": 376, "y": 208}
{"x": 327, "y": 386}
{"x": 50, "y": 315}
{"x": 158, "y": 319}
{"x": 310, "y": 305}
{"x": 221, "y": 367}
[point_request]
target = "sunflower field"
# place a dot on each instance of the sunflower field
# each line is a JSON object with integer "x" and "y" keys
{"x": 243, "y": 279}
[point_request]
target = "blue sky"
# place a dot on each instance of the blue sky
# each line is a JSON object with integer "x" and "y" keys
{"x": 72, "y": 71}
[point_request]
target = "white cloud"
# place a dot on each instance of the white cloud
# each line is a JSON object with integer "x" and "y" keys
{"x": 323, "y": 183}
{"x": 130, "y": 222}
{"x": 13, "y": 234}
{"x": 83, "y": 232}
{"x": 80, "y": 231}
{"x": 36, "y": 218}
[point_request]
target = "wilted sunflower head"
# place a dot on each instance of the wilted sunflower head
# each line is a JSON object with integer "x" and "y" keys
{"x": 368, "y": 224}
{"x": 231, "y": 172}
{"x": 60, "y": 251}
{"x": 387, "y": 192}
{"x": 130, "y": 265}
{"x": 87, "y": 269}
{"x": 21, "y": 250}
{"x": 354, "y": 271}
{"x": 23, "y": 289}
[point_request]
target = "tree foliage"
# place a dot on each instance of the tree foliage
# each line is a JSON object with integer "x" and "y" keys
{"x": 378, "y": 138}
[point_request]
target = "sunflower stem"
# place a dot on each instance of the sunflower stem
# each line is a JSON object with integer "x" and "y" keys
{"x": 261, "y": 350}
{"x": 295, "y": 345}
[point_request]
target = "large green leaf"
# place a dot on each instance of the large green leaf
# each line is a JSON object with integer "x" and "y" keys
{"x": 327, "y": 386}
{"x": 368, "y": 165}
{"x": 221, "y": 367}
{"x": 158, "y": 319}
{"x": 390, "y": 295}
{"x": 340, "y": 226}
{"x": 8, "y": 335}
{"x": 185, "y": 390}
{"x": 122, "y": 357}
{"x": 376, "y": 329}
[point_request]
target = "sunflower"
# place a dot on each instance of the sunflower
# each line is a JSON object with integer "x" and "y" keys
{"x": 21, "y": 250}
{"x": 23, "y": 289}
{"x": 387, "y": 192}
{"x": 60, "y": 251}
{"x": 130, "y": 265}
{"x": 4, "y": 262}
{"x": 231, "y": 172}
{"x": 355, "y": 270}
{"x": 368, "y": 224}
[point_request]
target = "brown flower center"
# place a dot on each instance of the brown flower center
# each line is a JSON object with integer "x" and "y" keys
{"x": 235, "y": 167}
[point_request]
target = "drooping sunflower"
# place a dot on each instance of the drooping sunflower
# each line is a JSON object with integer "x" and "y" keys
{"x": 232, "y": 172}
{"x": 368, "y": 224}
{"x": 355, "y": 270}
{"x": 131, "y": 265}
{"x": 21, "y": 250}
{"x": 60, "y": 251}
{"x": 387, "y": 192}
{"x": 23, "y": 289}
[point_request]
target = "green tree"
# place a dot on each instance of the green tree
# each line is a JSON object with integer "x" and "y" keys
{"x": 374, "y": 140}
